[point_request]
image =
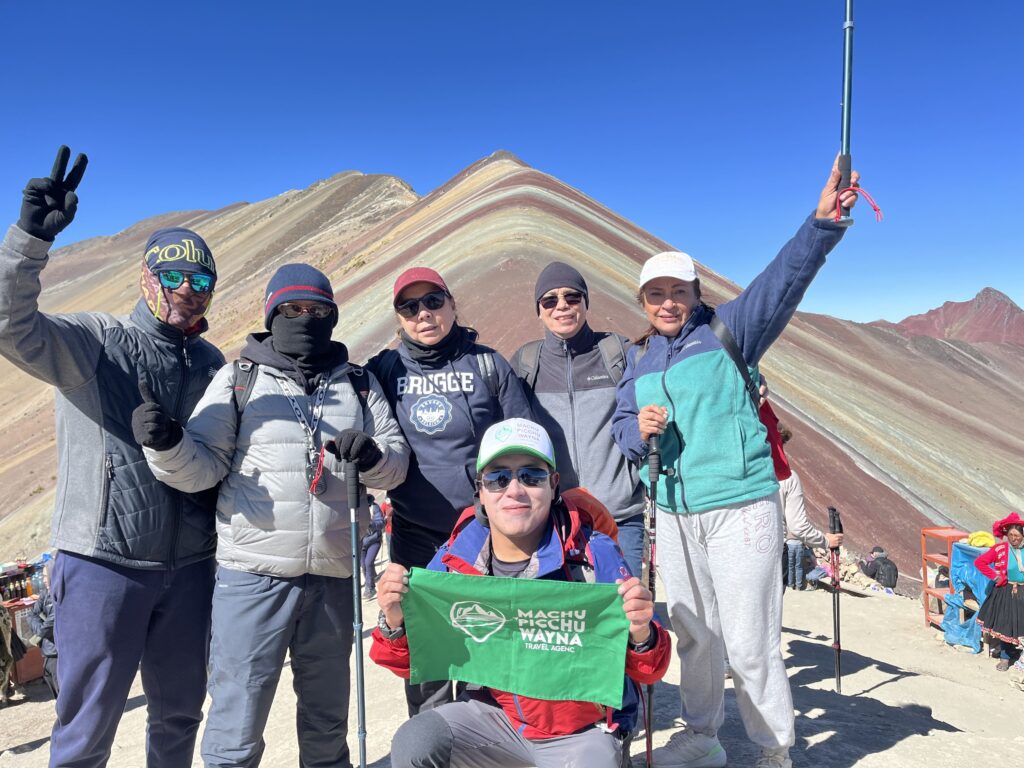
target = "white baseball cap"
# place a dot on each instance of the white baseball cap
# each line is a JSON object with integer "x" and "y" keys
{"x": 668, "y": 264}
{"x": 515, "y": 436}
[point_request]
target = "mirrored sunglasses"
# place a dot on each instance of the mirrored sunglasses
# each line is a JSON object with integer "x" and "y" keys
{"x": 499, "y": 479}
{"x": 572, "y": 298}
{"x": 173, "y": 278}
{"x": 432, "y": 301}
{"x": 318, "y": 310}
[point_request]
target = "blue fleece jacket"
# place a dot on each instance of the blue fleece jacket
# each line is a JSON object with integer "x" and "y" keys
{"x": 715, "y": 443}
{"x": 443, "y": 411}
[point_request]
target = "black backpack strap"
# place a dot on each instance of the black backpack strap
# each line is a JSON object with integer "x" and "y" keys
{"x": 360, "y": 379}
{"x": 489, "y": 371}
{"x": 242, "y": 382}
{"x": 613, "y": 354}
{"x": 529, "y": 363}
{"x": 729, "y": 345}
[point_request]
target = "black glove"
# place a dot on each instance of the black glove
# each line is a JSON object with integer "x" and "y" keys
{"x": 151, "y": 426}
{"x": 50, "y": 204}
{"x": 353, "y": 445}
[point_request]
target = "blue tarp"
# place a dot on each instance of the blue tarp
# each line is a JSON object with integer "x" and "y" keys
{"x": 962, "y": 573}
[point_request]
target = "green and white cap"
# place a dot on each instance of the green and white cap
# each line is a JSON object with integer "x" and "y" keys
{"x": 515, "y": 436}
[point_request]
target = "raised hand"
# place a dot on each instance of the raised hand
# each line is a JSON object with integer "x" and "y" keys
{"x": 392, "y": 584}
{"x": 638, "y": 606}
{"x": 152, "y": 427}
{"x": 357, "y": 446}
{"x": 827, "y": 200}
{"x": 49, "y": 204}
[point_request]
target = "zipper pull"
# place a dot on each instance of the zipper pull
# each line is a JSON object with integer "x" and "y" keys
{"x": 109, "y": 464}
{"x": 184, "y": 349}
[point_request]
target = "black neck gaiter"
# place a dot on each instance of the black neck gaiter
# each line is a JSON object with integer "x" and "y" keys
{"x": 306, "y": 340}
{"x": 442, "y": 352}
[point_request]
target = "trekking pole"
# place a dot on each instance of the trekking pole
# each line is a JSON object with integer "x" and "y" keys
{"x": 835, "y": 525}
{"x": 845, "y": 159}
{"x": 654, "y": 470}
{"x": 352, "y": 480}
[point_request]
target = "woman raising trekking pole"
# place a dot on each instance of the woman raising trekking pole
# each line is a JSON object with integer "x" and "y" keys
{"x": 719, "y": 515}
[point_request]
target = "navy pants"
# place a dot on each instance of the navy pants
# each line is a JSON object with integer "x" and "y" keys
{"x": 369, "y": 570}
{"x": 632, "y": 533}
{"x": 257, "y": 619}
{"x": 109, "y": 619}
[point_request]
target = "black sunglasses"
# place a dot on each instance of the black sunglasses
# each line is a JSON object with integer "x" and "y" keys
{"x": 318, "y": 310}
{"x": 572, "y": 298}
{"x": 432, "y": 301}
{"x": 499, "y": 479}
{"x": 173, "y": 278}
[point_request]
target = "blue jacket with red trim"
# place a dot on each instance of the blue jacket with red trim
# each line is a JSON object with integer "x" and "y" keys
{"x": 568, "y": 546}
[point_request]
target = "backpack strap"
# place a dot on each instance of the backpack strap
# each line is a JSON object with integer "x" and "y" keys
{"x": 242, "y": 381}
{"x": 729, "y": 345}
{"x": 360, "y": 379}
{"x": 529, "y": 363}
{"x": 641, "y": 350}
{"x": 613, "y": 354}
{"x": 489, "y": 371}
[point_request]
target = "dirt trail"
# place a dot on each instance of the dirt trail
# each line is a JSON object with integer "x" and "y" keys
{"x": 901, "y": 684}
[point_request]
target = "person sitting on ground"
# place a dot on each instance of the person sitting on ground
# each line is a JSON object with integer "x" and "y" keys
{"x": 521, "y": 532}
{"x": 879, "y": 567}
{"x": 799, "y": 531}
{"x": 1002, "y": 614}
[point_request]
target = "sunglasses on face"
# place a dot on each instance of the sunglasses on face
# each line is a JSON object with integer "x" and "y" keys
{"x": 173, "y": 278}
{"x": 572, "y": 298}
{"x": 291, "y": 311}
{"x": 411, "y": 307}
{"x": 498, "y": 480}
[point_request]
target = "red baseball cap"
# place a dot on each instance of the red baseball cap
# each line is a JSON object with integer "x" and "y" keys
{"x": 419, "y": 275}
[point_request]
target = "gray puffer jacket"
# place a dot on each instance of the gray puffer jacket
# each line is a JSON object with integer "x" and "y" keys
{"x": 574, "y": 399}
{"x": 108, "y": 504}
{"x": 267, "y": 520}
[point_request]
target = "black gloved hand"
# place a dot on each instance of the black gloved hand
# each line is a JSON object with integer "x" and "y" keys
{"x": 49, "y": 204}
{"x": 151, "y": 426}
{"x": 357, "y": 446}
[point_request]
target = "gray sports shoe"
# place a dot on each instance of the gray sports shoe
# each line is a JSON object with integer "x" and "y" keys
{"x": 777, "y": 757}
{"x": 690, "y": 749}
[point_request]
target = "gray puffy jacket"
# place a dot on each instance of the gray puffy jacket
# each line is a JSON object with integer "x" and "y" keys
{"x": 267, "y": 520}
{"x": 108, "y": 504}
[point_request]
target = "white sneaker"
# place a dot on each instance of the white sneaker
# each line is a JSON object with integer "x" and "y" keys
{"x": 690, "y": 749}
{"x": 774, "y": 757}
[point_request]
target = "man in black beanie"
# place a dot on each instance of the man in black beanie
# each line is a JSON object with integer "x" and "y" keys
{"x": 133, "y": 578}
{"x": 571, "y": 375}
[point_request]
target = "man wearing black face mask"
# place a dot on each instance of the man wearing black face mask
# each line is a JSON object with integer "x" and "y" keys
{"x": 283, "y": 552}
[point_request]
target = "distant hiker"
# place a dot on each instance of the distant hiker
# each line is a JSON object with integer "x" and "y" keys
{"x": 370, "y": 546}
{"x": 718, "y": 504}
{"x": 41, "y": 621}
{"x": 799, "y": 531}
{"x": 522, "y": 530}
{"x": 134, "y": 574}
{"x": 446, "y": 390}
{"x": 879, "y": 567}
{"x": 273, "y": 430}
{"x": 571, "y": 376}
{"x": 1002, "y": 614}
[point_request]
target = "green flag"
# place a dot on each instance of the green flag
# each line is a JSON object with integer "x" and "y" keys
{"x": 543, "y": 639}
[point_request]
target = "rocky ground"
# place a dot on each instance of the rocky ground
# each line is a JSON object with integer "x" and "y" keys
{"x": 908, "y": 700}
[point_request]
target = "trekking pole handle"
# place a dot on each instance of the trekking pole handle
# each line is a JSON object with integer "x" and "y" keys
{"x": 352, "y": 483}
{"x": 654, "y": 457}
{"x": 835, "y": 522}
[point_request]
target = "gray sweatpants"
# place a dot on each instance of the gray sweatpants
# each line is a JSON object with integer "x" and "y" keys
{"x": 721, "y": 571}
{"x": 256, "y": 620}
{"x": 477, "y": 734}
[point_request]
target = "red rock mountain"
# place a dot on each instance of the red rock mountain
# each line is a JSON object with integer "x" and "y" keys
{"x": 990, "y": 316}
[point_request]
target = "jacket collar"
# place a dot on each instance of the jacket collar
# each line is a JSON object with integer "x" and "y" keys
{"x": 583, "y": 341}
{"x": 143, "y": 317}
{"x": 469, "y": 551}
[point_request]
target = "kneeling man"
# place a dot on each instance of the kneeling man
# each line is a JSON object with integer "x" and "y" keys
{"x": 523, "y": 529}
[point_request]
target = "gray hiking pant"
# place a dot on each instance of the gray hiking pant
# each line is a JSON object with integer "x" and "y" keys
{"x": 256, "y": 620}
{"x": 721, "y": 571}
{"x": 475, "y": 734}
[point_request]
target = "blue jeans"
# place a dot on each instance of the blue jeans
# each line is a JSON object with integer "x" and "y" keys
{"x": 109, "y": 619}
{"x": 632, "y": 533}
{"x": 795, "y": 553}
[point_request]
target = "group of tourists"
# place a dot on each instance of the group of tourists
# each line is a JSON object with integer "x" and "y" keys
{"x": 186, "y": 483}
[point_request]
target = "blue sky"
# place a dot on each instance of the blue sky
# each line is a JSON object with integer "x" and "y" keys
{"x": 710, "y": 124}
